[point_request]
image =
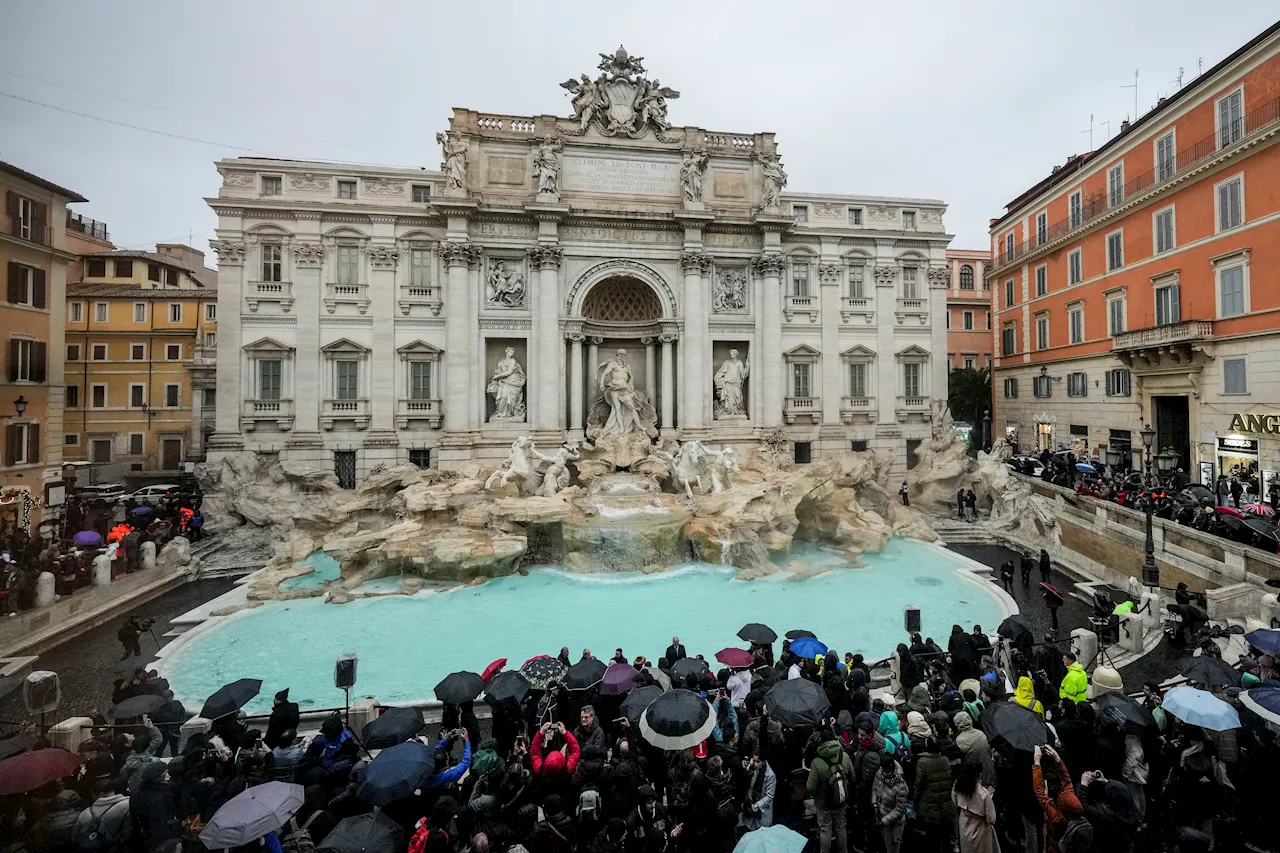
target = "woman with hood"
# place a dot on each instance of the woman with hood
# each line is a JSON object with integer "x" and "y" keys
{"x": 896, "y": 742}
{"x": 917, "y": 728}
{"x": 906, "y": 671}
{"x": 975, "y": 748}
{"x": 890, "y": 796}
{"x": 859, "y": 696}
{"x": 977, "y": 811}
{"x": 920, "y": 701}
{"x": 964, "y": 658}
{"x": 1025, "y": 695}
{"x": 284, "y": 718}
{"x": 833, "y": 683}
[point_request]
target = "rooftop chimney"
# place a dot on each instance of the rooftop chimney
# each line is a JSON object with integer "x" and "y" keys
{"x": 1124, "y": 127}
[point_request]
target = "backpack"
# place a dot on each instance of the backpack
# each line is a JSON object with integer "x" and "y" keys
{"x": 92, "y": 836}
{"x": 901, "y": 746}
{"x": 418, "y": 844}
{"x": 589, "y": 805}
{"x": 837, "y": 783}
{"x": 298, "y": 839}
{"x": 1077, "y": 837}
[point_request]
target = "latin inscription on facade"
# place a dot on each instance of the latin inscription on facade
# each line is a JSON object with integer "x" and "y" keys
{"x": 618, "y": 235}
{"x": 615, "y": 175}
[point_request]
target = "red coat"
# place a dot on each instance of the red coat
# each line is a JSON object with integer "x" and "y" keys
{"x": 556, "y": 762}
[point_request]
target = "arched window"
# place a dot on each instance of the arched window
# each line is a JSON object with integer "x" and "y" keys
{"x": 966, "y": 277}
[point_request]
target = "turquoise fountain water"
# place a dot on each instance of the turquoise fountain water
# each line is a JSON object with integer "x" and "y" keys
{"x": 407, "y": 644}
{"x": 323, "y": 569}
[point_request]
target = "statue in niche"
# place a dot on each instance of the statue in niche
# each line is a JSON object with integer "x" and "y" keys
{"x": 556, "y": 476}
{"x": 724, "y": 462}
{"x": 455, "y": 160}
{"x": 775, "y": 178}
{"x": 730, "y": 294}
{"x": 691, "y": 171}
{"x": 620, "y": 410}
{"x": 729, "y": 381}
{"x": 506, "y": 286}
{"x": 507, "y": 387}
{"x": 546, "y": 166}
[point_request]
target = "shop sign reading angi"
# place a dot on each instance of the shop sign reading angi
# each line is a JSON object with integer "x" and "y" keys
{"x": 1245, "y": 422}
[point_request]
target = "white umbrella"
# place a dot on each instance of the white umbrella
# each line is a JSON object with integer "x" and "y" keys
{"x": 251, "y": 814}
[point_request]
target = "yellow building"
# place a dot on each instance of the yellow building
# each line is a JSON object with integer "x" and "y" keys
{"x": 141, "y": 337}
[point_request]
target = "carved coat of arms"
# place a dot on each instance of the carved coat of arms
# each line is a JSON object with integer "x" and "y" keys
{"x": 621, "y": 101}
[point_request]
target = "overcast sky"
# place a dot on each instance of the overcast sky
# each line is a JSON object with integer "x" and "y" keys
{"x": 969, "y": 102}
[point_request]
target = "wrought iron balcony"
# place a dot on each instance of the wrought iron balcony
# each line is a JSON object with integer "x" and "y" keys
{"x": 88, "y": 227}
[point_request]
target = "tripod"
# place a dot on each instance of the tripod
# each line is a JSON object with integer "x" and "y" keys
{"x": 1102, "y": 630}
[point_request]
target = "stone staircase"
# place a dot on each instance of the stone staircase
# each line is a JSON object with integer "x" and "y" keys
{"x": 953, "y": 531}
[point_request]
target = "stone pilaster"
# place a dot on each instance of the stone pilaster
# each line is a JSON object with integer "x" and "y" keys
{"x": 769, "y": 268}
{"x": 667, "y": 419}
{"x": 887, "y": 380}
{"x": 383, "y": 263}
{"x": 577, "y": 418}
{"x": 459, "y": 418}
{"x": 830, "y": 279}
{"x": 939, "y": 280}
{"x": 695, "y": 371}
{"x": 546, "y": 405}
{"x": 230, "y": 376}
{"x": 308, "y": 288}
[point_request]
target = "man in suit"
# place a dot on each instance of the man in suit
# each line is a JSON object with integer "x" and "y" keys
{"x": 675, "y": 652}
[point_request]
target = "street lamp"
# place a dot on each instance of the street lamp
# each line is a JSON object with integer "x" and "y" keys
{"x": 1150, "y": 571}
{"x": 986, "y": 430}
{"x": 20, "y": 405}
{"x": 1114, "y": 457}
{"x": 1166, "y": 462}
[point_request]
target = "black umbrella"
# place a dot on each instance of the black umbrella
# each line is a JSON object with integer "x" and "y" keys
{"x": 459, "y": 687}
{"x": 136, "y": 706}
{"x": 1124, "y": 710}
{"x": 800, "y": 632}
{"x": 1263, "y": 527}
{"x": 508, "y": 686}
{"x": 757, "y": 633}
{"x": 639, "y": 699}
{"x": 684, "y": 666}
{"x": 1012, "y": 726}
{"x": 230, "y": 698}
{"x": 798, "y": 702}
{"x": 677, "y": 720}
{"x": 543, "y": 670}
{"x": 395, "y": 773}
{"x": 129, "y": 666}
{"x": 366, "y": 833}
{"x": 584, "y": 674}
{"x": 1013, "y": 627}
{"x": 396, "y": 725}
{"x": 1212, "y": 671}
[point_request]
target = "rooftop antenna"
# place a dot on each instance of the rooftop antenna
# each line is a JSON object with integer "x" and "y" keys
{"x": 1179, "y": 80}
{"x": 1134, "y": 87}
{"x": 1090, "y": 131}
{"x": 1199, "y": 65}
{"x": 1108, "y": 124}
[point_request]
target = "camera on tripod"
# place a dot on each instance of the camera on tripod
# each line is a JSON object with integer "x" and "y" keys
{"x": 1103, "y": 620}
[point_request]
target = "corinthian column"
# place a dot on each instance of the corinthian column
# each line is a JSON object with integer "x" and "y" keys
{"x": 831, "y": 276}
{"x": 769, "y": 268}
{"x": 694, "y": 367}
{"x": 547, "y": 408}
{"x": 458, "y": 415}
{"x": 668, "y": 390}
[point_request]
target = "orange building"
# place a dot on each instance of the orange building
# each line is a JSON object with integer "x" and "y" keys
{"x": 968, "y": 309}
{"x": 1140, "y": 283}
{"x": 34, "y": 252}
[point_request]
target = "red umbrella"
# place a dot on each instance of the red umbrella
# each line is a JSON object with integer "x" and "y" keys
{"x": 734, "y": 657}
{"x": 1052, "y": 590}
{"x": 493, "y": 669}
{"x": 1226, "y": 510}
{"x": 535, "y": 657}
{"x": 30, "y": 770}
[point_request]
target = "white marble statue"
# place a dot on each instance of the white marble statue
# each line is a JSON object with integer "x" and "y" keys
{"x": 691, "y": 171}
{"x": 546, "y": 166}
{"x": 556, "y": 476}
{"x": 685, "y": 466}
{"x": 586, "y": 100}
{"x": 724, "y": 462}
{"x": 621, "y": 100}
{"x": 506, "y": 286}
{"x": 729, "y": 381}
{"x": 775, "y": 178}
{"x": 620, "y": 409}
{"x": 730, "y": 295}
{"x": 506, "y": 384}
{"x": 518, "y": 465}
{"x": 455, "y": 160}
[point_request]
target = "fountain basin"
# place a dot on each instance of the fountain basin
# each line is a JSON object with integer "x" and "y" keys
{"x": 647, "y": 539}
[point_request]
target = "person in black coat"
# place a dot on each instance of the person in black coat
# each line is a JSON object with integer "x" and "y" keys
{"x": 1025, "y": 565}
{"x": 675, "y": 651}
{"x": 964, "y": 657}
{"x": 284, "y": 718}
{"x": 154, "y": 807}
{"x": 1046, "y": 567}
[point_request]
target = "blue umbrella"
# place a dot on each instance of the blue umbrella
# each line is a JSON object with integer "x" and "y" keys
{"x": 1264, "y": 640}
{"x": 142, "y": 510}
{"x": 87, "y": 537}
{"x": 771, "y": 839}
{"x": 1200, "y": 708}
{"x": 395, "y": 773}
{"x": 1263, "y": 701}
{"x": 1086, "y": 468}
{"x": 808, "y": 647}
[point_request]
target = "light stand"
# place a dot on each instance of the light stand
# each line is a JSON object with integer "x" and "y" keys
{"x": 344, "y": 678}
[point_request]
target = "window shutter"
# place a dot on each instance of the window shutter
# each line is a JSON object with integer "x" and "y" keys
{"x": 13, "y": 360}
{"x": 11, "y": 445}
{"x": 1175, "y": 309}
{"x": 38, "y": 288}
{"x": 15, "y": 286}
{"x": 11, "y": 205}
{"x": 1126, "y": 383}
{"x": 40, "y": 215}
{"x": 39, "y": 361}
{"x": 33, "y": 443}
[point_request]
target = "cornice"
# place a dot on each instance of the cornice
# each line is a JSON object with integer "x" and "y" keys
{"x": 421, "y": 321}
{"x": 514, "y": 324}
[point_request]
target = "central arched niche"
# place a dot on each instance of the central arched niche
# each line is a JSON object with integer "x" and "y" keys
{"x": 622, "y": 299}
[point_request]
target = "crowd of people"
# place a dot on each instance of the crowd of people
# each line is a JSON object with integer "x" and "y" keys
{"x": 67, "y": 552}
{"x": 914, "y": 766}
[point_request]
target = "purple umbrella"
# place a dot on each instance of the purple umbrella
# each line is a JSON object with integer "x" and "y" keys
{"x": 618, "y": 679}
{"x": 87, "y": 537}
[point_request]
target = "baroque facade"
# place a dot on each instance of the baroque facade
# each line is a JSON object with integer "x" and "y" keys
{"x": 372, "y": 315}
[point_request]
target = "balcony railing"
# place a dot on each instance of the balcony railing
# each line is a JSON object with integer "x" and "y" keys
{"x": 89, "y": 227}
{"x": 913, "y": 308}
{"x": 32, "y": 232}
{"x": 255, "y": 411}
{"x": 912, "y": 407}
{"x": 1189, "y": 330}
{"x": 333, "y": 410}
{"x": 411, "y": 295}
{"x": 1233, "y": 134}
{"x": 853, "y": 306}
{"x": 852, "y": 408}
{"x": 800, "y": 305}
{"x": 807, "y": 407}
{"x": 269, "y": 291}
{"x": 350, "y": 294}
{"x": 419, "y": 410}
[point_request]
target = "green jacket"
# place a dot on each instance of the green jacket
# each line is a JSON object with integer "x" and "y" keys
{"x": 829, "y": 755}
{"x": 1075, "y": 684}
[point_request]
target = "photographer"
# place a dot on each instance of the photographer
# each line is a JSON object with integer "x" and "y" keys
{"x": 129, "y": 633}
